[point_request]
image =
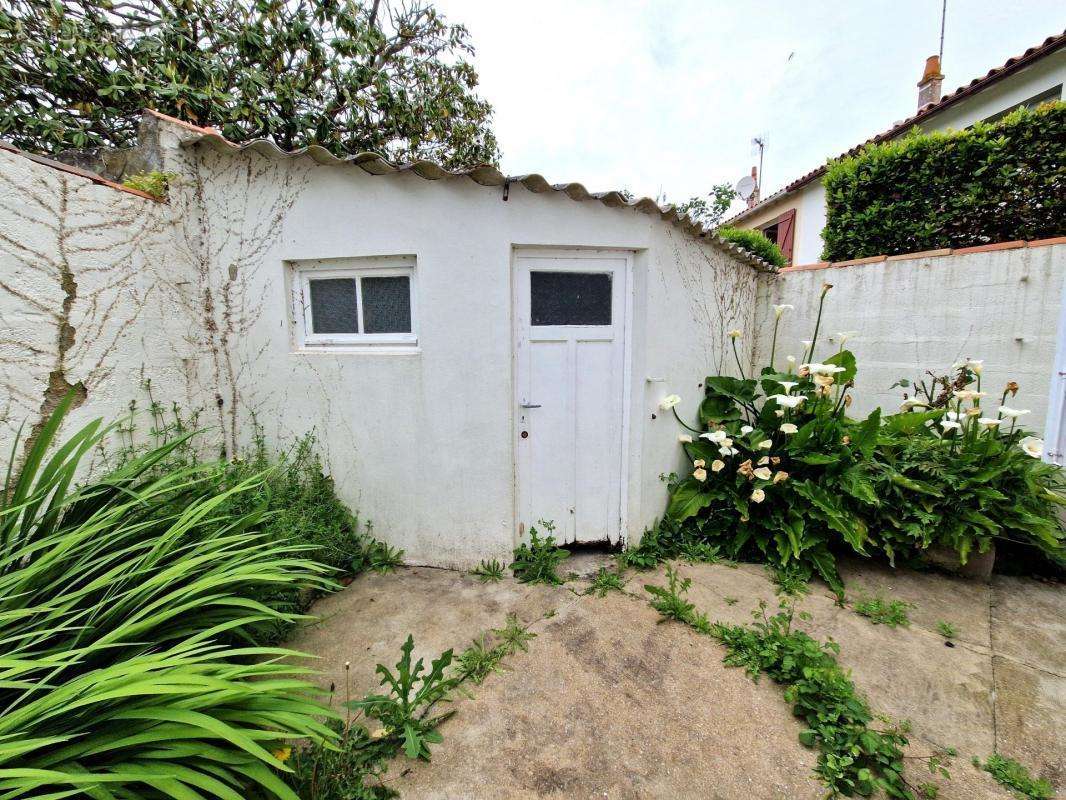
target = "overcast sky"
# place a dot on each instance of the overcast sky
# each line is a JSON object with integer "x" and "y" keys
{"x": 666, "y": 96}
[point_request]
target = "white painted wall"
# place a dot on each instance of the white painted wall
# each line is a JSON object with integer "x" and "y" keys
{"x": 927, "y": 313}
{"x": 809, "y": 200}
{"x": 94, "y": 294}
{"x": 420, "y": 441}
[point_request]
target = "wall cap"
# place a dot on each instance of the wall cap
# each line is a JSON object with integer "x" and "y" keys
{"x": 947, "y": 251}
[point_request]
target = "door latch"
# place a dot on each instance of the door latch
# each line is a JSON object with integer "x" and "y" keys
{"x": 530, "y": 405}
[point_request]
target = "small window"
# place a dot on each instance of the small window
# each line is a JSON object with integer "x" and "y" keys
{"x": 570, "y": 298}
{"x": 357, "y": 301}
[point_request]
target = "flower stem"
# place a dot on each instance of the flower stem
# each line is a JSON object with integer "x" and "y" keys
{"x": 736, "y": 355}
{"x": 683, "y": 423}
{"x": 773, "y": 345}
{"x": 817, "y": 325}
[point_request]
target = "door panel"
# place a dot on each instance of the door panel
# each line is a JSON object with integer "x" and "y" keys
{"x": 570, "y": 357}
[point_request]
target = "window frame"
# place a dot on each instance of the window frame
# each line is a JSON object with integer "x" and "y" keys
{"x": 303, "y": 272}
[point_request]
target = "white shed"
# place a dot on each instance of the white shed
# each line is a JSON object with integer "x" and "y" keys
{"x": 475, "y": 352}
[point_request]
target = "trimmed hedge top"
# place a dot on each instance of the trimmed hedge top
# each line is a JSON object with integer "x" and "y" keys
{"x": 989, "y": 183}
{"x": 756, "y": 243}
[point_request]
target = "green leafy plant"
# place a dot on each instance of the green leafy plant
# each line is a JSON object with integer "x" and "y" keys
{"x": 947, "y": 629}
{"x": 731, "y": 601}
{"x": 351, "y": 768}
{"x": 792, "y": 580}
{"x": 949, "y": 188}
{"x": 537, "y": 561}
{"x": 606, "y": 581}
{"x": 395, "y": 78}
{"x": 480, "y": 660}
{"x": 892, "y": 613}
{"x": 404, "y": 710}
{"x": 1016, "y": 777}
{"x": 117, "y": 599}
{"x": 756, "y": 243}
{"x": 855, "y": 758}
{"x": 155, "y": 183}
{"x": 671, "y": 603}
{"x": 489, "y": 571}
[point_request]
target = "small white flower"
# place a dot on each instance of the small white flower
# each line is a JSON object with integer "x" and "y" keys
{"x": 717, "y": 465}
{"x": 765, "y": 444}
{"x": 764, "y": 461}
{"x": 968, "y": 394}
{"x": 788, "y": 385}
{"x": 699, "y": 462}
{"x": 669, "y": 402}
{"x": 781, "y": 309}
{"x": 988, "y": 422}
{"x": 791, "y": 362}
{"x": 806, "y": 344}
{"x": 975, "y": 365}
{"x": 948, "y": 425}
{"x": 727, "y": 451}
{"x": 726, "y": 442}
{"x": 699, "y": 474}
{"x": 781, "y": 475}
{"x": 951, "y": 415}
{"x": 684, "y": 438}
{"x": 717, "y": 436}
{"x": 780, "y": 412}
{"x": 1032, "y": 446}
{"x": 758, "y": 496}
{"x": 846, "y": 335}
{"x": 822, "y": 369}
{"x": 735, "y": 333}
{"x": 746, "y": 429}
{"x": 824, "y": 381}
{"x": 788, "y": 400}
{"x": 912, "y": 403}
{"x": 1012, "y": 413}
{"x": 788, "y": 427}
{"x": 763, "y": 473}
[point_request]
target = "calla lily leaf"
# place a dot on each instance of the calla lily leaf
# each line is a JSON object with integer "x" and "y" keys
{"x": 845, "y": 359}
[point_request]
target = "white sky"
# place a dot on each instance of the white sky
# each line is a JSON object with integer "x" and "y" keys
{"x": 666, "y": 96}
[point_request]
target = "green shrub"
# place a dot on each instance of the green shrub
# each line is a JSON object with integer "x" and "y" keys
{"x": 781, "y": 474}
{"x": 1016, "y": 777}
{"x": 989, "y": 183}
{"x": 115, "y": 600}
{"x": 756, "y": 243}
{"x": 155, "y": 183}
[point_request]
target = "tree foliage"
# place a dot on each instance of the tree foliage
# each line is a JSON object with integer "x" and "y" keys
{"x": 347, "y": 75}
{"x": 709, "y": 210}
{"x": 989, "y": 183}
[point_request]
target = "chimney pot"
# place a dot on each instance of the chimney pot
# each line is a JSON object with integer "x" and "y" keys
{"x": 930, "y": 85}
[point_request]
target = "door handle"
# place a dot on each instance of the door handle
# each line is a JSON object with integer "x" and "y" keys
{"x": 530, "y": 405}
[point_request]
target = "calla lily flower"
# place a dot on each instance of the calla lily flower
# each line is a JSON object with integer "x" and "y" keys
{"x": 717, "y": 465}
{"x": 988, "y": 422}
{"x": 699, "y": 462}
{"x": 912, "y": 403}
{"x": 758, "y": 496}
{"x": 763, "y": 473}
{"x": 735, "y": 333}
{"x": 822, "y": 369}
{"x": 684, "y": 438}
{"x": 1031, "y": 446}
{"x": 780, "y": 476}
{"x": 781, "y": 309}
{"x": 788, "y": 427}
{"x": 968, "y": 394}
{"x": 1012, "y": 413}
{"x": 700, "y": 474}
{"x": 950, "y": 425}
{"x": 789, "y": 400}
{"x": 746, "y": 429}
{"x": 765, "y": 444}
{"x": 727, "y": 451}
{"x": 846, "y": 335}
{"x": 717, "y": 436}
{"x": 669, "y": 402}
{"x": 788, "y": 385}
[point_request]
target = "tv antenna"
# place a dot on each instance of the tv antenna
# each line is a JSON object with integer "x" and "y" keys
{"x": 760, "y": 143}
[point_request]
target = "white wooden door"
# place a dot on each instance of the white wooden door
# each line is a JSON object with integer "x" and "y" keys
{"x": 570, "y": 358}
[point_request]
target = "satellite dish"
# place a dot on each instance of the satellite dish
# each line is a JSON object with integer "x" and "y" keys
{"x": 745, "y": 187}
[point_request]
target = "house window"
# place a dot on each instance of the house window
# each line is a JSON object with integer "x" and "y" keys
{"x": 782, "y": 232}
{"x": 570, "y": 298}
{"x": 358, "y": 301}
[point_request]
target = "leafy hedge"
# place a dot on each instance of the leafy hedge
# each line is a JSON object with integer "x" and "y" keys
{"x": 990, "y": 183}
{"x": 756, "y": 243}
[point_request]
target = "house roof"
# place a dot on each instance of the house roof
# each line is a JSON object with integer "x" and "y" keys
{"x": 1012, "y": 65}
{"x": 482, "y": 174}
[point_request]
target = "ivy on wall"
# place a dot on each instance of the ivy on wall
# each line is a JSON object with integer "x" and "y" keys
{"x": 989, "y": 183}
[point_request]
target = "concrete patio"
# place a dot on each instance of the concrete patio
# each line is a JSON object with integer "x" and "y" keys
{"x": 610, "y": 703}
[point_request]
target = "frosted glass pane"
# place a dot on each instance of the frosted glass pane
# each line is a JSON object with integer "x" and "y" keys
{"x": 387, "y": 304}
{"x": 333, "y": 305}
{"x": 570, "y": 298}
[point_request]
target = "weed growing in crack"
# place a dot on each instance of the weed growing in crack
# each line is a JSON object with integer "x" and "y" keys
{"x": 1016, "y": 777}
{"x": 606, "y": 581}
{"x": 947, "y": 629}
{"x": 488, "y": 571}
{"x": 880, "y": 611}
{"x": 792, "y": 580}
{"x": 479, "y": 661}
{"x": 537, "y": 561}
{"x": 731, "y": 601}
{"x": 671, "y": 603}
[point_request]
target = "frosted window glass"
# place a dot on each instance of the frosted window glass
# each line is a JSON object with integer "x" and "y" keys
{"x": 333, "y": 305}
{"x": 387, "y": 304}
{"x": 570, "y": 298}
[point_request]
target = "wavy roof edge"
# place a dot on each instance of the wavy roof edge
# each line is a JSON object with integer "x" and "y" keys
{"x": 482, "y": 174}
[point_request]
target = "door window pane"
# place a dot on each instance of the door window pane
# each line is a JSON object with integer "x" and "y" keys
{"x": 387, "y": 304}
{"x": 333, "y": 305}
{"x": 570, "y": 298}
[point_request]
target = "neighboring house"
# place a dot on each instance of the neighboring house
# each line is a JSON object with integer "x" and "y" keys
{"x": 794, "y": 217}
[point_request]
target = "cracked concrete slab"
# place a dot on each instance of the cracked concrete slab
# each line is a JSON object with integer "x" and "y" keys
{"x": 1029, "y": 619}
{"x": 611, "y": 703}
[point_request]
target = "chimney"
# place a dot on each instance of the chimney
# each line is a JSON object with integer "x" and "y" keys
{"x": 929, "y": 85}
{"x": 753, "y": 198}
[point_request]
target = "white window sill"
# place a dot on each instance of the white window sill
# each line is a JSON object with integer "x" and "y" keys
{"x": 358, "y": 350}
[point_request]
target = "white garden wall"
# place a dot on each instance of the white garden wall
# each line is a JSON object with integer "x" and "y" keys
{"x": 911, "y": 313}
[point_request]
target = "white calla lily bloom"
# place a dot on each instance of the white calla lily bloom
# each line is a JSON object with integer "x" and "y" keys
{"x": 735, "y": 333}
{"x": 789, "y": 400}
{"x": 746, "y": 429}
{"x": 684, "y": 438}
{"x": 950, "y": 425}
{"x": 968, "y": 394}
{"x": 788, "y": 427}
{"x": 822, "y": 369}
{"x": 758, "y": 496}
{"x": 727, "y": 451}
{"x": 1032, "y": 446}
{"x": 766, "y": 444}
{"x": 669, "y": 402}
{"x": 789, "y": 385}
{"x": 699, "y": 462}
{"x": 699, "y": 474}
{"x": 781, "y": 309}
{"x": 1012, "y": 413}
{"x": 714, "y": 436}
{"x": 988, "y": 422}
{"x": 845, "y": 335}
{"x": 717, "y": 465}
{"x": 763, "y": 473}
{"x": 912, "y": 403}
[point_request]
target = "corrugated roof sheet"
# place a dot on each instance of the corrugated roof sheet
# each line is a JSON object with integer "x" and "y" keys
{"x": 1012, "y": 65}
{"x": 483, "y": 174}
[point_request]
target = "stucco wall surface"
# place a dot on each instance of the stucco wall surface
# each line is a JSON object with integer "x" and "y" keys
{"x": 420, "y": 441}
{"x": 94, "y": 293}
{"x": 910, "y": 315}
